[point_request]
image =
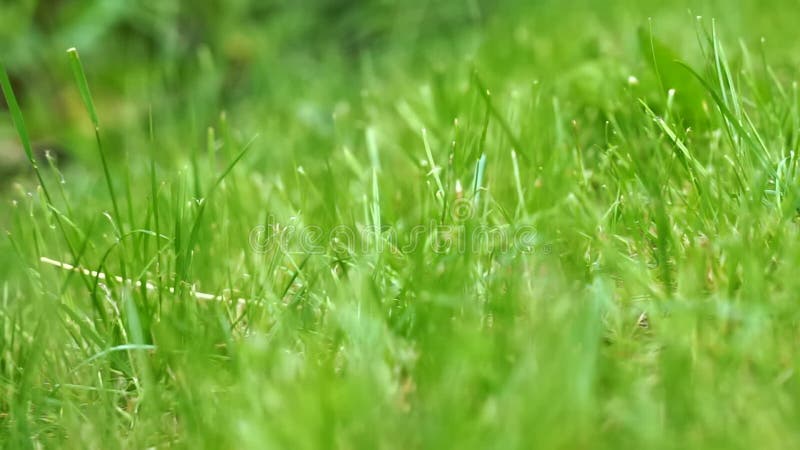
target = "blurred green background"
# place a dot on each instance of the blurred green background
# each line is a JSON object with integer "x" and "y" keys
{"x": 278, "y": 67}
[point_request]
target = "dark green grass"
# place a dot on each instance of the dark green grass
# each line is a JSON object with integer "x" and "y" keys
{"x": 640, "y": 161}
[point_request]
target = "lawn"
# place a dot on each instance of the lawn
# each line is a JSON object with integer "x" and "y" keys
{"x": 399, "y": 224}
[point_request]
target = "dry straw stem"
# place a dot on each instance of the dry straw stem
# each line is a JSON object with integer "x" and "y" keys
{"x": 150, "y": 287}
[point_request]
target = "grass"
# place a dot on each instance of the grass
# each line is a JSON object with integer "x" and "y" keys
{"x": 429, "y": 225}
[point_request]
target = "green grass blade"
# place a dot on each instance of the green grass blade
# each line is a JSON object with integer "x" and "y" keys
{"x": 22, "y": 132}
{"x": 512, "y": 137}
{"x": 759, "y": 150}
{"x": 17, "y": 118}
{"x": 83, "y": 84}
{"x": 86, "y": 96}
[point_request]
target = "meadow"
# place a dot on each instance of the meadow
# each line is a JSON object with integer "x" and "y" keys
{"x": 399, "y": 225}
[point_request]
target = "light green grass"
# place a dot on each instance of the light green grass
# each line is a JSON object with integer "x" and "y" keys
{"x": 630, "y": 172}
